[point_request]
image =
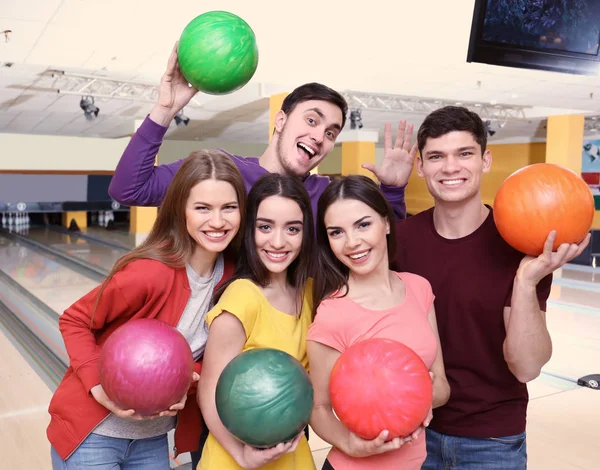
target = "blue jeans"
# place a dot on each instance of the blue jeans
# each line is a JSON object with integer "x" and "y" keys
{"x": 112, "y": 453}
{"x": 468, "y": 453}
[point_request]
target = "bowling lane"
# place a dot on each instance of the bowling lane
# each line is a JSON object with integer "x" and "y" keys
{"x": 119, "y": 237}
{"x": 562, "y": 431}
{"x": 572, "y": 273}
{"x": 575, "y": 340}
{"x": 84, "y": 249}
{"x": 573, "y": 319}
{"x": 579, "y": 296}
{"x": 23, "y": 412}
{"x": 42, "y": 275}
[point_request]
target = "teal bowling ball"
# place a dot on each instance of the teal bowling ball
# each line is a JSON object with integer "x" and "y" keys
{"x": 217, "y": 52}
{"x": 264, "y": 397}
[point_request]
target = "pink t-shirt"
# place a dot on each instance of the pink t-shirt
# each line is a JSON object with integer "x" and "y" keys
{"x": 341, "y": 322}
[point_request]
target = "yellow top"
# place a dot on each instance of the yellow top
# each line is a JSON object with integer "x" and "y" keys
{"x": 266, "y": 327}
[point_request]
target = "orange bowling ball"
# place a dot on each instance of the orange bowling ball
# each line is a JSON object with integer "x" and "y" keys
{"x": 539, "y": 198}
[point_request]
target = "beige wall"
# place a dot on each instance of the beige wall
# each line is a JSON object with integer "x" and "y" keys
{"x": 57, "y": 153}
{"x": 173, "y": 150}
{"x": 54, "y": 153}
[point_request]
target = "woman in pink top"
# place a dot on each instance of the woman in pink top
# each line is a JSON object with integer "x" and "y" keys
{"x": 358, "y": 297}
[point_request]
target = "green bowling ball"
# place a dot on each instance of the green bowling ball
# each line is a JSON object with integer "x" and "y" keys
{"x": 264, "y": 397}
{"x": 217, "y": 52}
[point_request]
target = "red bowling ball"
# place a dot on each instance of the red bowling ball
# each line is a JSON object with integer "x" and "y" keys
{"x": 146, "y": 365}
{"x": 380, "y": 384}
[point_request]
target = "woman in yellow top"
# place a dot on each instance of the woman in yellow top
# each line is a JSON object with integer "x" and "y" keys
{"x": 266, "y": 304}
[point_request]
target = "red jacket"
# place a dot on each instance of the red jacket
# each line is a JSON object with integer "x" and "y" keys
{"x": 143, "y": 289}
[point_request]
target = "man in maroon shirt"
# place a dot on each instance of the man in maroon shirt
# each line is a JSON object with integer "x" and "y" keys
{"x": 490, "y": 300}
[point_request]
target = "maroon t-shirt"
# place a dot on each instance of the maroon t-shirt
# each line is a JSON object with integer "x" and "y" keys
{"x": 472, "y": 279}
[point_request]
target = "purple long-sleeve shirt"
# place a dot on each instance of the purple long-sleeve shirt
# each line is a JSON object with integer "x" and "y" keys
{"x": 139, "y": 182}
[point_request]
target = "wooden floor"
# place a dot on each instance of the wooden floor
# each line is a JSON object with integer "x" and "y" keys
{"x": 562, "y": 418}
{"x": 24, "y": 399}
{"x": 563, "y": 430}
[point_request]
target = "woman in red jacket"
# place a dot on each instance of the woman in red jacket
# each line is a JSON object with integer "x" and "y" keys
{"x": 171, "y": 277}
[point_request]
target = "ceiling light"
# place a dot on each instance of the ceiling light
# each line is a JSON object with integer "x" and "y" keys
{"x": 181, "y": 120}
{"x": 488, "y": 125}
{"x": 90, "y": 110}
{"x": 355, "y": 119}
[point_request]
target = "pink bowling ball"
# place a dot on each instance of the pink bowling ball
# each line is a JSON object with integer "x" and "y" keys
{"x": 146, "y": 365}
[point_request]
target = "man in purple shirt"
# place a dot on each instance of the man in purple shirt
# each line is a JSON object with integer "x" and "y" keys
{"x": 306, "y": 128}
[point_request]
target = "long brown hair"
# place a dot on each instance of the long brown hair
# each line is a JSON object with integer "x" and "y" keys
{"x": 169, "y": 241}
{"x": 332, "y": 274}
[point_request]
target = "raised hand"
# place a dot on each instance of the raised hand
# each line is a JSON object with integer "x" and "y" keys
{"x": 398, "y": 159}
{"x": 532, "y": 270}
{"x": 174, "y": 92}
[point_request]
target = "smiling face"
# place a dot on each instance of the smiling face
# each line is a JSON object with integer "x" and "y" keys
{"x": 357, "y": 235}
{"x": 306, "y": 135}
{"x": 278, "y": 232}
{"x": 452, "y": 166}
{"x": 212, "y": 215}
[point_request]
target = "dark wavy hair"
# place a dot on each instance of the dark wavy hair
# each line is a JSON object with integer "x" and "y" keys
{"x": 249, "y": 265}
{"x": 332, "y": 274}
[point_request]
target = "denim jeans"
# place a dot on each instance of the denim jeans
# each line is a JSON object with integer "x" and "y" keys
{"x": 112, "y": 453}
{"x": 468, "y": 453}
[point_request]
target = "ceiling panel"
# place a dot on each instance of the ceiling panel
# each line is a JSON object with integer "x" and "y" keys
{"x": 81, "y": 124}
{"x": 5, "y": 118}
{"x": 116, "y": 128}
{"x": 65, "y": 104}
{"x": 7, "y": 98}
{"x": 134, "y": 109}
{"x": 104, "y": 125}
{"x": 32, "y": 101}
{"x": 24, "y": 122}
{"x": 53, "y": 123}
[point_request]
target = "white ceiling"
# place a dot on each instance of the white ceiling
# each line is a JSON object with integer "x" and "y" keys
{"x": 403, "y": 48}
